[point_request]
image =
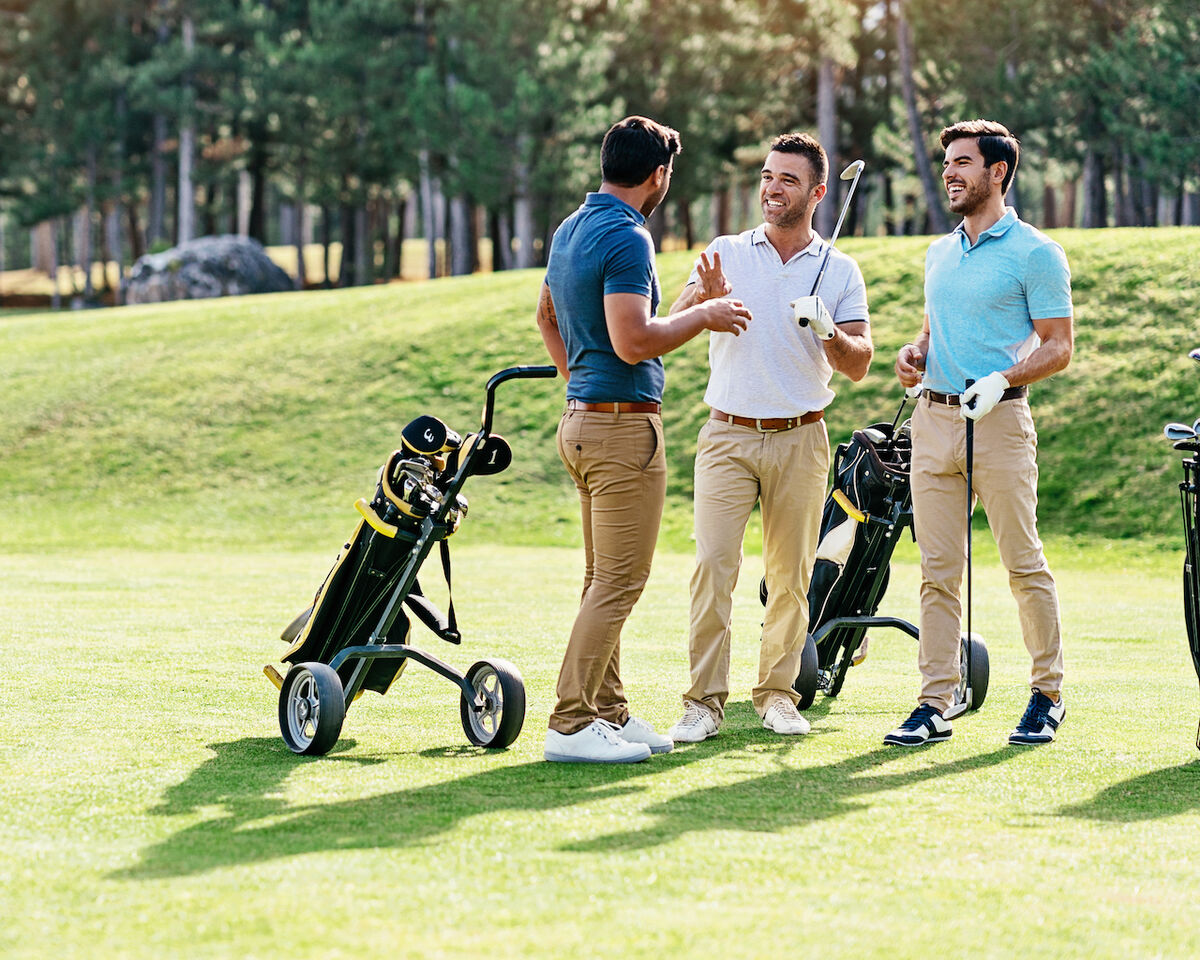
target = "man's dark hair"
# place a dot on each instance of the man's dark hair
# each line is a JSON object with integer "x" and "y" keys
{"x": 807, "y": 146}
{"x": 634, "y": 148}
{"x": 995, "y": 143}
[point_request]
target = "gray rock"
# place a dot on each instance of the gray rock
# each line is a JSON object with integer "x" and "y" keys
{"x": 224, "y": 266}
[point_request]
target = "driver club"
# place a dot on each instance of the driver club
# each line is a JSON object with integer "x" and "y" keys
{"x": 852, "y": 172}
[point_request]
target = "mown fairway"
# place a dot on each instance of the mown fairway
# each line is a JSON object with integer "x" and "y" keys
{"x": 176, "y": 481}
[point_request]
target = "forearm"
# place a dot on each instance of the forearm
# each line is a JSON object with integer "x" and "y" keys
{"x": 1045, "y": 361}
{"x": 547, "y": 322}
{"x": 850, "y": 350}
{"x": 688, "y": 297}
{"x": 660, "y": 335}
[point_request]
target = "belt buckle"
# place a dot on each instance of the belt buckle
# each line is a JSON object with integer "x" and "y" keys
{"x": 758, "y": 425}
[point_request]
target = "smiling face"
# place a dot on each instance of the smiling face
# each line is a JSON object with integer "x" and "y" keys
{"x": 787, "y": 192}
{"x": 969, "y": 184}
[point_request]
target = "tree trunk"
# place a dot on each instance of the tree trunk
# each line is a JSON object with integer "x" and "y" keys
{"x": 1049, "y": 207}
{"x": 428, "y": 214}
{"x": 186, "y": 225}
{"x": 137, "y": 249}
{"x": 523, "y": 204}
{"x": 55, "y": 296}
{"x": 326, "y": 240}
{"x": 1069, "y": 200}
{"x": 396, "y": 254}
{"x": 827, "y": 209}
{"x": 363, "y": 261}
{"x": 721, "y": 213}
{"x": 301, "y": 211}
{"x": 257, "y": 169}
{"x": 85, "y": 246}
{"x": 346, "y": 276}
{"x": 1095, "y": 197}
{"x": 933, "y": 198}
{"x": 460, "y": 237}
{"x": 684, "y": 212}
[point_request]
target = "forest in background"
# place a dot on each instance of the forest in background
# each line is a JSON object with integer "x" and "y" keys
{"x": 132, "y": 125}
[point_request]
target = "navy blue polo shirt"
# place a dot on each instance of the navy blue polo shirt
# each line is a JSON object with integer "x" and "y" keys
{"x": 603, "y": 247}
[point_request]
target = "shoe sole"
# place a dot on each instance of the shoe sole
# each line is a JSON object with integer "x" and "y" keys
{"x": 564, "y": 758}
{"x": 707, "y": 736}
{"x": 658, "y": 751}
{"x": 786, "y": 733}
{"x": 916, "y": 742}
{"x": 1029, "y": 741}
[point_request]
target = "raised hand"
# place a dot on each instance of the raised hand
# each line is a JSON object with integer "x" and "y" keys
{"x": 713, "y": 282}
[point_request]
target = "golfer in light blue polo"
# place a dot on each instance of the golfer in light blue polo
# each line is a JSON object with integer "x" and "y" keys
{"x": 998, "y": 316}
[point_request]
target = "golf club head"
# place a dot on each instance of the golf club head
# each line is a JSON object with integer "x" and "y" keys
{"x": 1179, "y": 431}
{"x": 853, "y": 170}
{"x": 1195, "y": 354}
{"x": 1196, "y": 427}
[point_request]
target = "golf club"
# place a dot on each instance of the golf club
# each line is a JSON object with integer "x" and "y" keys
{"x": 970, "y": 451}
{"x": 1195, "y": 354}
{"x": 1179, "y": 431}
{"x": 852, "y": 173}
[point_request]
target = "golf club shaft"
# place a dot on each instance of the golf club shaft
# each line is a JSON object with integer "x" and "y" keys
{"x": 836, "y": 230}
{"x": 970, "y": 453}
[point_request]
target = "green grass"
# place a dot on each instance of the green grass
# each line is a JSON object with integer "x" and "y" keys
{"x": 176, "y": 480}
{"x": 148, "y": 807}
{"x": 260, "y": 420}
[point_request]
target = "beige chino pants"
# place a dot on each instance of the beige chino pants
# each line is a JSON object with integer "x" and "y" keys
{"x": 619, "y": 466}
{"x": 787, "y": 472}
{"x": 1005, "y": 482}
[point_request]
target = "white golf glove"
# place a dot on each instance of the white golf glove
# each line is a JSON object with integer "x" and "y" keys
{"x": 810, "y": 311}
{"x": 977, "y": 401}
{"x": 914, "y": 391}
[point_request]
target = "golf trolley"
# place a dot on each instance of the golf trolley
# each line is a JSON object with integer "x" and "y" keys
{"x": 867, "y": 511}
{"x": 1187, "y": 440}
{"x": 355, "y": 635}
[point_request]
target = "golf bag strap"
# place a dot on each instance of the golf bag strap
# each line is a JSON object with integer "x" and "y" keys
{"x": 452, "y": 621}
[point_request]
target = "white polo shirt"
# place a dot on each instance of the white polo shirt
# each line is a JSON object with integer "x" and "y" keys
{"x": 775, "y": 367}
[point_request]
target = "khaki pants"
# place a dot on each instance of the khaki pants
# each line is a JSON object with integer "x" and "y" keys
{"x": 786, "y": 471}
{"x": 1005, "y": 481}
{"x": 619, "y": 466}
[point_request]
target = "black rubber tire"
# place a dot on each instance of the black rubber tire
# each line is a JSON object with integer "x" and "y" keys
{"x": 806, "y": 680}
{"x": 980, "y": 670}
{"x": 499, "y": 723}
{"x": 312, "y": 707}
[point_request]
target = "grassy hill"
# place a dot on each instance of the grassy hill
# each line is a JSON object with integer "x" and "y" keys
{"x": 259, "y": 420}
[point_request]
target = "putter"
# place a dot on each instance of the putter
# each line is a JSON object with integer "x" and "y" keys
{"x": 852, "y": 173}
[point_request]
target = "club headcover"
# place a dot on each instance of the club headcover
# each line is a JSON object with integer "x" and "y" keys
{"x": 424, "y": 436}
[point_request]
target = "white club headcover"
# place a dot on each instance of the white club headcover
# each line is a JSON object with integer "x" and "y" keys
{"x": 810, "y": 311}
{"x": 978, "y": 400}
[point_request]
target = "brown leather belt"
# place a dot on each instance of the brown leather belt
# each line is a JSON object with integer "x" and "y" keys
{"x": 619, "y": 406}
{"x": 951, "y": 399}
{"x": 768, "y": 424}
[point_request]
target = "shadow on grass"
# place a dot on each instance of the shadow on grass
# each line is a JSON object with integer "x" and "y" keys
{"x": 1160, "y": 793}
{"x": 245, "y": 779}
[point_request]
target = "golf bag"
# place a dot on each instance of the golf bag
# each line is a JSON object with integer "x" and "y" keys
{"x": 869, "y": 507}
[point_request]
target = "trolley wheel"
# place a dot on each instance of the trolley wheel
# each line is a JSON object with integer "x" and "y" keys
{"x": 974, "y": 651}
{"x": 499, "y": 685}
{"x": 806, "y": 681}
{"x": 311, "y": 708}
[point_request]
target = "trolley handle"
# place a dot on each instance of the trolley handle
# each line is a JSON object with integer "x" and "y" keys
{"x": 512, "y": 373}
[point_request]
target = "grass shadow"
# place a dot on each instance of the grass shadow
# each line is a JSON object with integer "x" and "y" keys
{"x": 1160, "y": 793}
{"x": 784, "y": 799}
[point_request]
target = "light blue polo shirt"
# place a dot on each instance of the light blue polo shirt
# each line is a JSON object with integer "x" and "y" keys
{"x": 982, "y": 299}
{"x": 603, "y": 247}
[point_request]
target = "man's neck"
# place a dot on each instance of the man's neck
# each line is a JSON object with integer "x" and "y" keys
{"x": 975, "y": 223}
{"x": 789, "y": 242}
{"x": 634, "y": 196}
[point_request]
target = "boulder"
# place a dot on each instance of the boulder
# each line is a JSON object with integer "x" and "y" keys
{"x": 224, "y": 266}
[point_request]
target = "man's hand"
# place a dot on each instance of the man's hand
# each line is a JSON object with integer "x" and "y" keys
{"x": 910, "y": 365}
{"x": 725, "y": 316}
{"x": 811, "y": 312}
{"x": 713, "y": 282}
{"x": 977, "y": 401}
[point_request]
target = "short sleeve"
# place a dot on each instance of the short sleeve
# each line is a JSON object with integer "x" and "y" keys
{"x": 1048, "y": 283}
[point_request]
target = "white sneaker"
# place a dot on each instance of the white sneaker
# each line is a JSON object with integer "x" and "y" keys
{"x": 697, "y": 724}
{"x": 598, "y": 742}
{"x": 783, "y": 717}
{"x": 639, "y": 731}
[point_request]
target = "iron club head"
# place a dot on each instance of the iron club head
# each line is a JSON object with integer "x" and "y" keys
{"x": 1195, "y": 354}
{"x": 1179, "y": 431}
{"x": 853, "y": 170}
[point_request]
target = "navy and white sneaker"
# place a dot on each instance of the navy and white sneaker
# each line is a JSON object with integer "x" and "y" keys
{"x": 1040, "y": 721}
{"x": 924, "y": 725}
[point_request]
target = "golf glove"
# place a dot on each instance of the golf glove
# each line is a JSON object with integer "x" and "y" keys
{"x": 914, "y": 391}
{"x": 810, "y": 311}
{"x": 977, "y": 400}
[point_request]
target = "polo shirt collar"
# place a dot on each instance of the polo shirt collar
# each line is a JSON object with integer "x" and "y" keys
{"x": 997, "y": 229}
{"x": 598, "y": 199}
{"x": 814, "y": 248}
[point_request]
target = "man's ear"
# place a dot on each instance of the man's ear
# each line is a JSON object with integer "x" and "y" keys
{"x": 819, "y": 192}
{"x": 998, "y": 171}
